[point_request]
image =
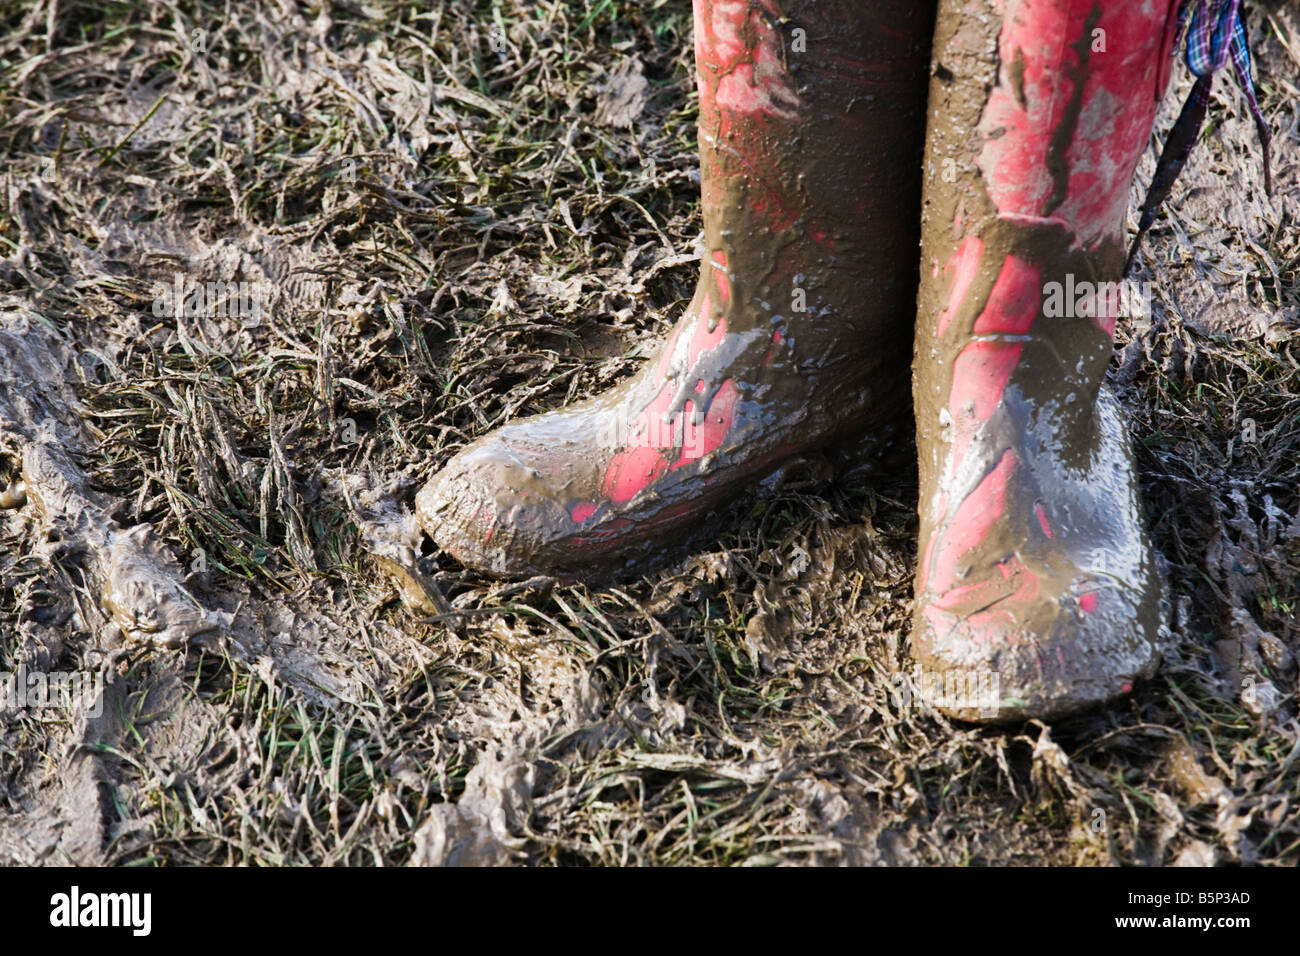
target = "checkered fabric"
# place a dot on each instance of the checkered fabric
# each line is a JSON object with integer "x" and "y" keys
{"x": 1215, "y": 32}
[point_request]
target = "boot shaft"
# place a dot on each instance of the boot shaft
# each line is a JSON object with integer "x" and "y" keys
{"x": 810, "y": 132}
{"x": 1035, "y": 575}
{"x": 1040, "y": 110}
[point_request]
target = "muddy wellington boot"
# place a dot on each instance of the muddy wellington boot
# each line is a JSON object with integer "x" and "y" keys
{"x": 810, "y": 137}
{"x": 1037, "y": 589}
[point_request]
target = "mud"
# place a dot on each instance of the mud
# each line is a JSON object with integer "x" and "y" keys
{"x": 72, "y": 808}
{"x": 392, "y": 535}
{"x": 138, "y": 582}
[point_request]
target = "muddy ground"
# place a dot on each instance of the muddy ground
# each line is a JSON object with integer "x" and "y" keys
{"x": 449, "y": 214}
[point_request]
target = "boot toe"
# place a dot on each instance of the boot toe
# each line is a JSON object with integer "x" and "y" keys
{"x": 1043, "y": 658}
{"x": 491, "y": 509}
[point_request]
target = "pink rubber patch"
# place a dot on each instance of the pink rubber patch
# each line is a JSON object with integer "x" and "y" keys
{"x": 1106, "y": 315}
{"x": 980, "y": 627}
{"x": 633, "y": 471}
{"x": 971, "y": 522}
{"x": 739, "y": 55}
{"x": 699, "y": 440}
{"x": 1042, "y": 518}
{"x": 982, "y": 592}
{"x": 653, "y": 447}
{"x": 979, "y": 377}
{"x": 485, "y": 517}
{"x": 1014, "y": 301}
{"x": 963, "y": 265}
{"x": 1123, "y": 45}
{"x": 701, "y": 338}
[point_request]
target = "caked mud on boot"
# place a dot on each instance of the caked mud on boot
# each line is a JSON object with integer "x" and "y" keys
{"x": 810, "y": 143}
{"x": 1037, "y": 589}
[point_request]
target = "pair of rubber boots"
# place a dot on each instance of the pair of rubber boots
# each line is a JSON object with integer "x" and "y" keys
{"x": 1014, "y": 126}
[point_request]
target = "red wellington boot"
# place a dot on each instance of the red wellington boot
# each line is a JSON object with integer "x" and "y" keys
{"x": 810, "y": 142}
{"x": 1037, "y": 591}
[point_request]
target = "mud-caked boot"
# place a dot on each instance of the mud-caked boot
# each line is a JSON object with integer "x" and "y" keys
{"x": 810, "y": 136}
{"x": 1037, "y": 590}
